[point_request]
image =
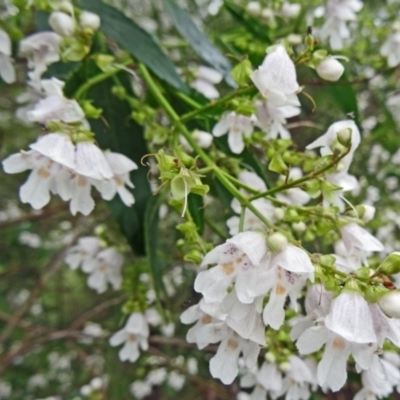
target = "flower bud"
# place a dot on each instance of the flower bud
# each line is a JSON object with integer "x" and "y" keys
{"x": 390, "y": 304}
{"x": 203, "y": 139}
{"x": 285, "y": 366}
{"x": 279, "y": 213}
{"x": 277, "y": 242}
{"x": 267, "y": 14}
{"x": 86, "y": 390}
{"x": 253, "y": 8}
{"x": 62, "y": 23}
{"x": 290, "y": 10}
{"x": 344, "y": 137}
{"x": 299, "y": 226}
{"x": 330, "y": 69}
{"x": 391, "y": 264}
{"x": 89, "y": 20}
{"x": 270, "y": 357}
{"x": 369, "y": 212}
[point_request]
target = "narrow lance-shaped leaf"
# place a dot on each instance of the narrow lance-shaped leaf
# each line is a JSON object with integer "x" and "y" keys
{"x": 136, "y": 41}
{"x": 199, "y": 42}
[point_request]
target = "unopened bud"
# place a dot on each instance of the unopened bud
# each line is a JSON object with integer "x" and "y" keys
{"x": 330, "y": 69}
{"x": 390, "y": 304}
{"x": 270, "y": 357}
{"x": 391, "y": 264}
{"x": 285, "y": 367}
{"x": 253, "y": 8}
{"x": 279, "y": 213}
{"x": 62, "y": 23}
{"x": 267, "y": 13}
{"x": 344, "y": 136}
{"x": 203, "y": 139}
{"x": 277, "y": 242}
{"x": 369, "y": 212}
{"x": 299, "y": 226}
{"x": 89, "y": 20}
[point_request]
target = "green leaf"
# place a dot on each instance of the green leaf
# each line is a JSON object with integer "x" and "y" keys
{"x": 153, "y": 243}
{"x": 132, "y": 38}
{"x": 116, "y": 131}
{"x": 199, "y": 42}
{"x": 345, "y": 97}
{"x": 196, "y": 208}
{"x": 252, "y": 25}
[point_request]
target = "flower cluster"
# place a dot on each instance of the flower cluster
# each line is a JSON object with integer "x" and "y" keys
{"x": 257, "y": 266}
{"x": 102, "y": 264}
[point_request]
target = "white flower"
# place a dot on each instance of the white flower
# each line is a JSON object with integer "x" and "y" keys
{"x": 85, "y": 250}
{"x": 329, "y": 138}
{"x": 104, "y": 268}
{"x": 62, "y": 23}
{"x": 296, "y": 384}
{"x": 290, "y": 10}
{"x": 7, "y": 71}
{"x": 276, "y": 78}
{"x": 330, "y": 69}
{"x": 338, "y": 13}
{"x": 224, "y": 365}
{"x": 89, "y": 20}
{"x": 55, "y": 107}
{"x": 351, "y": 318}
{"x": 205, "y": 79}
{"x": 272, "y": 120}
{"x": 391, "y": 49}
{"x": 41, "y": 49}
{"x": 60, "y": 167}
{"x": 209, "y": 327}
{"x": 140, "y": 389}
{"x": 176, "y": 380}
{"x": 286, "y": 272}
{"x": 120, "y": 166}
{"x": 133, "y": 335}
{"x": 359, "y": 242}
{"x": 236, "y": 126}
{"x": 156, "y": 376}
{"x": 244, "y": 319}
{"x": 237, "y": 261}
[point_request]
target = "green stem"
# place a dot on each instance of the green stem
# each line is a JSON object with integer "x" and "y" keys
{"x": 97, "y": 79}
{"x": 220, "y": 175}
{"x": 241, "y": 220}
{"x": 299, "y": 181}
{"x": 240, "y": 92}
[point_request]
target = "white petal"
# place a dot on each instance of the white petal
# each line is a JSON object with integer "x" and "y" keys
{"x": 91, "y": 162}
{"x": 18, "y": 162}
{"x": 312, "y": 340}
{"x": 332, "y": 368}
{"x": 253, "y": 244}
{"x": 58, "y": 147}
{"x": 294, "y": 259}
{"x": 235, "y": 141}
{"x": 7, "y": 71}
{"x": 130, "y": 351}
{"x": 224, "y": 364}
{"x": 35, "y": 190}
{"x": 191, "y": 315}
{"x": 119, "y": 163}
{"x": 213, "y": 283}
{"x": 118, "y": 338}
{"x": 351, "y": 318}
{"x": 222, "y": 127}
{"x": 81, "y": 199}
